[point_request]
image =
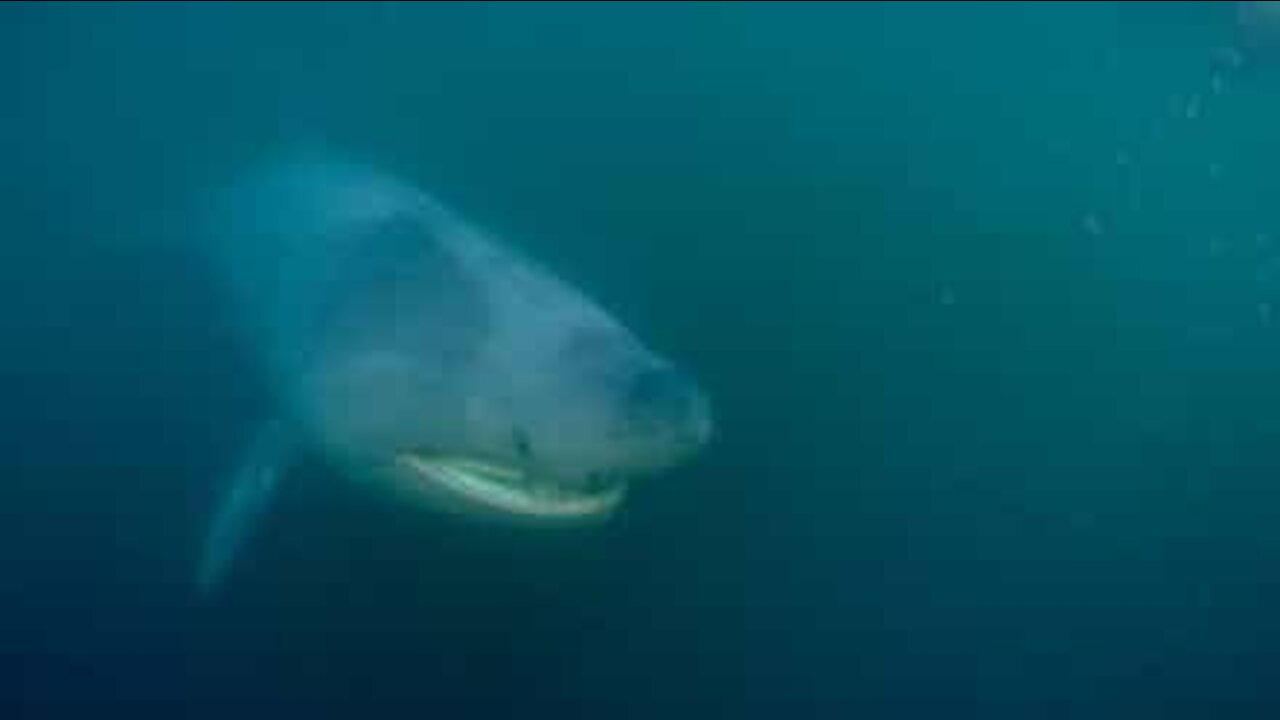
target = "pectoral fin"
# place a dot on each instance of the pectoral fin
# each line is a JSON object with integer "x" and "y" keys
{"x": 248, "y": 495}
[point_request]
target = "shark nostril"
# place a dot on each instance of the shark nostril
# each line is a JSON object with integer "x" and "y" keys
{"x": 520, "y": 440}
{"x": 664, "y": 398}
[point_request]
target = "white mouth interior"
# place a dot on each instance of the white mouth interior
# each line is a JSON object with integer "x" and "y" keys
{"x": 513, "y": 490}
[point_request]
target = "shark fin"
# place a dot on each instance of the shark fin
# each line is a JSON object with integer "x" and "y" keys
{"x": 241, "y": 509}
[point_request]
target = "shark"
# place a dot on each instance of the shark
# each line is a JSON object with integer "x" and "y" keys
{"x": 414, "y": 352}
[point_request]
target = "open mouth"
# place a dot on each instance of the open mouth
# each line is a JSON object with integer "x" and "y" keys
{"x": 515, "y": 491}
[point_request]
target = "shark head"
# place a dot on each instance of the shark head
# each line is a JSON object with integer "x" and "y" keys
{"x": 443, "y": 364}
{"x": 416, "y": 353}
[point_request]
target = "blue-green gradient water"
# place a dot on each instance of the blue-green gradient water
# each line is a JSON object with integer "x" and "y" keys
{"x": 987, "y": 297}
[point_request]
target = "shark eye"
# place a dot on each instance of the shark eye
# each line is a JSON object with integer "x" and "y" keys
{"x": 521, "y": 442}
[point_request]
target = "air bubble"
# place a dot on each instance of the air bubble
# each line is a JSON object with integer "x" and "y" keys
{"x": 1193, "y": 107}
{"x": 1092, "y": 224}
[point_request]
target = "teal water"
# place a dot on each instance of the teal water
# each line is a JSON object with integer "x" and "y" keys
{"x": 986, "y": 296}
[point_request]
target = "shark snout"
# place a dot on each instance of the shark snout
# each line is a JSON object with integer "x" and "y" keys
{"x": 666, "y": 401}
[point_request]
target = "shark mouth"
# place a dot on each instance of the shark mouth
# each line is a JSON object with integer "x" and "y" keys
{"x": 516, "y": 492}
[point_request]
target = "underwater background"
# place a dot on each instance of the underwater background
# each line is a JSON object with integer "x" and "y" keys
{"x": 985, "y": 296}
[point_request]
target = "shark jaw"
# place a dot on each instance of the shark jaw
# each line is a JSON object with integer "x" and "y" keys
{"x": 515, "y": 492}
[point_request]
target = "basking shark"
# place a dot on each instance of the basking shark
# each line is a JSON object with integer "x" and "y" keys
{"x": 412, "y": 351}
